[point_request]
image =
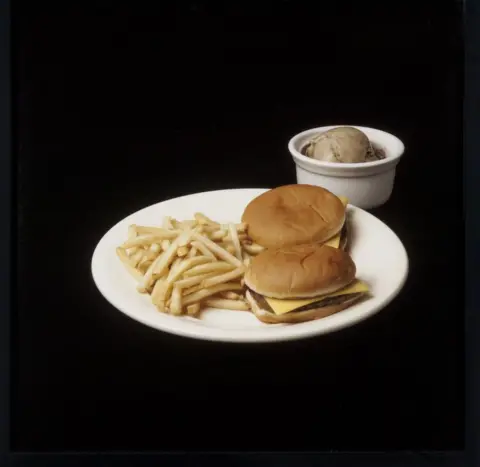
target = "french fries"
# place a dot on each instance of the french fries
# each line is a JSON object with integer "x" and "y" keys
{"x": 193, "y": 310}
{"x": 204, "y": 293}
{"x": 217, "y": 266}
{"x": 227, "y": 304}
{"x": 176, "y": 303}
{"x": 203, "y": 249}
{"x": 252, "y": 249}
{"x": 122, "y": 254}
{"x": 188, "y": 265}
{"x": 217, "y": 250}
{"x": 182, "y": 251}
{"x": 202, "y": 219}
{"x": 222, "y": 278}
{"x": 230, "y": 295}
{"x": 235, "y": 240}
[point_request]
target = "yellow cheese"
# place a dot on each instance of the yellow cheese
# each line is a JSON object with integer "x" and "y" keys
{"x": 281, "y": 307}
{"x": 335, "y": 241}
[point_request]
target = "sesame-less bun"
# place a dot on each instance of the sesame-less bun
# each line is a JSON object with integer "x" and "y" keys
{"x": 311, "y": 314}
{"x": 292, "y": 215}
{"x": 300, "y": 271}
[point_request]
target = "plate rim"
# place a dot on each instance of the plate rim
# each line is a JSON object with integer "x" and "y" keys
{"x": 251, "y": 335}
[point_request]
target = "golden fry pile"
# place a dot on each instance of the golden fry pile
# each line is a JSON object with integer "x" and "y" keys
{"x": 186, "y": 266}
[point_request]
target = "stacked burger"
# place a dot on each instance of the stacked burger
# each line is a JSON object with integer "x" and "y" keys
{"x": 305, "y": 271}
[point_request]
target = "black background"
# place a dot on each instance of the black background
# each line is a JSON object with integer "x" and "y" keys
{"x": 119, "y": 109}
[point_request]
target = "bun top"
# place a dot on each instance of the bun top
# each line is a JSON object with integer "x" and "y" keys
{"x": 292, "y": 215}
{"x": 300, "y": 271}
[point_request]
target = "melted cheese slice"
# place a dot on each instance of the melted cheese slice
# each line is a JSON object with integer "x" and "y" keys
{"x": 280, "y": 307}
{"x": 335, "y": 241}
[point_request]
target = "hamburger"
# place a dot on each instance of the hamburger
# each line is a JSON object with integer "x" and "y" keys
{"x": 301, "y": 283}
{"x": 297, "y": 214}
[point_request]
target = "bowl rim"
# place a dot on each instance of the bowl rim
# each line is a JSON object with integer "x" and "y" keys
{"x": 394, "y": 156}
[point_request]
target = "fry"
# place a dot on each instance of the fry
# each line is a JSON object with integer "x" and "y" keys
{"x": 165, "y": 287}
{"x": 173, "y": 268}
{"x": 193, "y": 289}
{"x": 192, "y": 252}
{"x": 203, "y": 249}
{"x": 227, "y": 304}
{"x": 246, "y": 258}
{"x": 236, "y": 242}
{"x": 176, "y": 304}
{"x": 253, "y": 249}
{"x": 196, "y": 288}
{"x": 204, "y": 220}
{"x": 165, "y": 244}
{"x": 156, "y": 295}
{"x": 182, "y": 251}
{"x": 188, "y": 263}
{"x": 156, "y": 248}
{"x": 242, "y": 227}
{"x": 230, "y": 295}
{"x": 218, "y": 235}
{"x": 158, "y": 231}
{"x": 176, "y": 224}
{"x": 147, "y": 255}
{"x": 144, "y": 240}
{"x": 131, "y": 251}
{"x": 193, "y": 309}
{"x": 188, "y": 224}
{"x": 220, "y": 252}
{"x": 184, "y": 240}
{"x": 143, "y": 260}
{"x": 136, "y": 258}
{"x": 177, "y": 270}
{"x": 121, "y": 253}
{"x": 167, "y": 223}
{"x": 144, "y": 267}
{"x": 241, "y": 237}
{"x": 217, "y": 266}
{"x": 230, "y": 249}
{"x": 223, "y": 277}
{"x": 204, "y": 293}
{"x": 141, "y": 289}
{"x": 194, "y": 280}
{"x": 163, "y": 261}
{"x": 207, "y": 228}
{"x": 132, "y": 231}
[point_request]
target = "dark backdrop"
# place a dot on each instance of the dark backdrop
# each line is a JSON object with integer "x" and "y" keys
{"x": 117, "y": 110}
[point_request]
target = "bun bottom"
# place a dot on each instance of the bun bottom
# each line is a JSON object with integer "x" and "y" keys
{"x": 298, "y": 316}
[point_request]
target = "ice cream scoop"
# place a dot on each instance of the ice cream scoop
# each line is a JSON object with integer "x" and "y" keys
{"x": 342, "y": 144}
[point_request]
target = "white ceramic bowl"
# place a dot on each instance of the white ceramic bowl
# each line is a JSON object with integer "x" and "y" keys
{"x": 367, "y": 184}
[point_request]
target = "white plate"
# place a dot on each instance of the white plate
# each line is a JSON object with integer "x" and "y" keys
{"x": 380, "y": 257}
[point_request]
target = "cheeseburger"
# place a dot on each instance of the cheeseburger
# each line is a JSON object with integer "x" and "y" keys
{"x": 301, "y": 283}
{"x": 297, "y": 214}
